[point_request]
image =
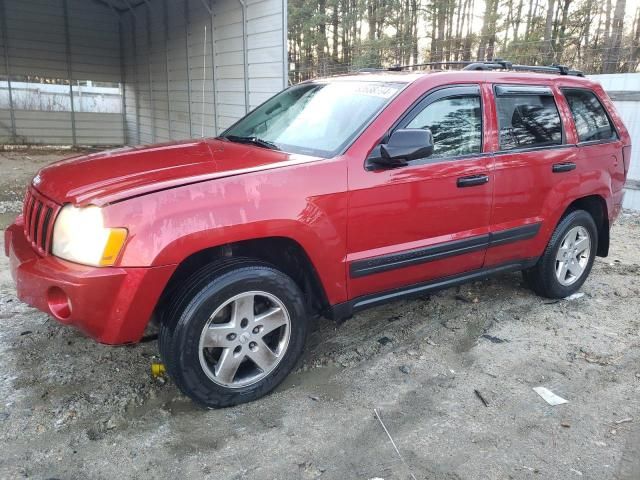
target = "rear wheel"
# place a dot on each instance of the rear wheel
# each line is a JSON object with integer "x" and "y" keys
{"x": 233, "y": 333}
{"x": 566, "y": 262}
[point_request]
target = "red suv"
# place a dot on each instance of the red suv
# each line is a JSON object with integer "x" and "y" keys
{"x": 333, "y": 196}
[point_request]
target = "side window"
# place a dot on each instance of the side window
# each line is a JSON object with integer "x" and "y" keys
{"x": 527, "y": 121}
{"x": 589, "y": 116}
{"x": 456, "y": 125}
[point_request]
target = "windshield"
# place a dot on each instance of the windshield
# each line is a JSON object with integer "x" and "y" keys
{"x": 314, "y": 118}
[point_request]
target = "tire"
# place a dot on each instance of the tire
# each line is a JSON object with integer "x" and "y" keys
{"x": 547, "y": 278}
{"x": 252, "y": 344}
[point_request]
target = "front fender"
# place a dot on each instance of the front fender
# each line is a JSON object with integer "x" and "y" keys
{"x": 306, "y": 203}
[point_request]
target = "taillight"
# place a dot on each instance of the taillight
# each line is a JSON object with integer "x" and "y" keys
{"x": 626, "y": 158}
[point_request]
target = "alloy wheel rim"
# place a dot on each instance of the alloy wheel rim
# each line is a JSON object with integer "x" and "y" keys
{"x": 245, "y": 339}
{"x": 573, "y": 256}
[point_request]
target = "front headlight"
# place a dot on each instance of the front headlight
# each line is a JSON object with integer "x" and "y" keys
{"x": 79, "y": 235}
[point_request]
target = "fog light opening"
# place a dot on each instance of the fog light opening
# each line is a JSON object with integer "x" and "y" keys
{"x": 59, "y": 303}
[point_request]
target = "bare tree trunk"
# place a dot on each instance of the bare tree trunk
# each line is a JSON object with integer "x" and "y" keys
{"x": 334, "y": 24}
{"x": 508, "y": 23}
{"x": 371, "y": 16}
{"x": 484, "y": 33}
{"x": 415, "y": 7}
{"x": 322, "y": 36}
{"x": 635, "y": 46}
{"x": 466, "y": 55}
{"x": 491, "y": 44}
{"x": 607, "y": 25}
{"x": 585, "y": 31}
{"x": 548, "y": 53}
{"x": 442, "y": 17}
{"x": 560, "y": 39}
{"x": 527, "y": 30}
{"x": 612, "y": 53}
{"x": 462, "y": 11}
{"x": 434, "y": 28}
{"x": 518, "y": 20}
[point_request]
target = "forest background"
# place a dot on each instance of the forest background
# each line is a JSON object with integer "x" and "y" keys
{"x": 328, "y": 37}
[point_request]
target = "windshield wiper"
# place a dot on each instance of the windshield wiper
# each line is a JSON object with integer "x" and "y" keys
{"x": 253, "y": 141}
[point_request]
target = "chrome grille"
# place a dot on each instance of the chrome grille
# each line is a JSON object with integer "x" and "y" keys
{"x": 39, "y": 213}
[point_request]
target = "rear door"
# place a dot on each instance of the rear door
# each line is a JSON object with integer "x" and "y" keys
{"x": 599, "y": 144}
{"x": 533, "y": 165}
{"x": 430, "y": 218}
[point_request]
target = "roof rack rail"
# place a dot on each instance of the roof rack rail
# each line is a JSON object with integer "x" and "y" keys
{"x": 399, "y": 68}
{"x": 370, "y": 70}
{"x": 497, "y": 64}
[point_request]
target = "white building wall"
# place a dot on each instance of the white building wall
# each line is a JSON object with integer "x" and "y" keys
{"x": 59, "y": 39}
{"x": 177, "y": 83}
{"x": 194, "y": 67}
{"x": 624, "y": 90}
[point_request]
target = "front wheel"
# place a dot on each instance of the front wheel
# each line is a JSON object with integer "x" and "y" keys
{"x": 234, "y": 333}
{"x": 566, "y": 262}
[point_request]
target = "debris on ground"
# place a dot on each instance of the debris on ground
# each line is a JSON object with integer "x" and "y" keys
{"x": 158, "y": 370}
{"x": 549, "y": 397}
{"x": 596, "y": 359}
{"x": 395, "y": 447}
{"x": 575, "y": 296}
{"x": 481, "y": 397}
{"x": 493, "y": 339}
{"x": 466, "y": 299}
{"x": 623, "y": 420}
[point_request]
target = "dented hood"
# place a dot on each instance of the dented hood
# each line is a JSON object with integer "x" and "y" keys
{"x": 114, "y": 175}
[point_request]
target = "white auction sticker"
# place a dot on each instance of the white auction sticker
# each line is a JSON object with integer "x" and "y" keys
{"x": 549, "y": 397}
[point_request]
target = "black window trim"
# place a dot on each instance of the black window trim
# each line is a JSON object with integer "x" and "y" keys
{"x": 604, "y": 109}
{"x": 508, "y": 90}
{"x": 426, "y": 99}
{"x": 528, "y": 90}
{"x": 534, "y": 149}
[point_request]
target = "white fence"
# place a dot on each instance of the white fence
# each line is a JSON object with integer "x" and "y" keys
{"x": 57, "y": 98}
{"x": 624, "y": 90}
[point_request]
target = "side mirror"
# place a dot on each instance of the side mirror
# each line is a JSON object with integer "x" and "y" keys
{"x": 403, "y": 145}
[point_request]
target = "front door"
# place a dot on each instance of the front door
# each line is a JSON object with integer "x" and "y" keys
{"x": 430, "y": 218}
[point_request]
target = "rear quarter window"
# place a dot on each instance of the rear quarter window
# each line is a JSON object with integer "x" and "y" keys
{"x": 589, "y": 116}
{"x": 527, "y": 121}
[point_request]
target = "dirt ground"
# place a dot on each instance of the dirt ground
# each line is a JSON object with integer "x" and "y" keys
{"x": 71, "y": 408}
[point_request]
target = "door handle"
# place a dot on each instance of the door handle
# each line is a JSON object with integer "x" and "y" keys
{"x": 472, "y": 181}
{"x": 563, "y": 167}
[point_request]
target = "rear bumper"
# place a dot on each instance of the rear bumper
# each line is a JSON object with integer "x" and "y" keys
{"x": 111, "y": 305}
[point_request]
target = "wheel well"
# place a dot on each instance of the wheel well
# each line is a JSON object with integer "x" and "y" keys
{"x": 281, "y": 252}
{"x": 597, "y": 208}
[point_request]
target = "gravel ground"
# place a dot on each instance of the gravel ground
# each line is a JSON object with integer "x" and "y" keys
{"x": 74, "y": 409}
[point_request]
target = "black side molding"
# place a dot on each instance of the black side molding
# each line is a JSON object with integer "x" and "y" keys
{"x": 383, "y": 263}
{"x": 514, "y": 234}
{"x": 343, "y": 311}
{"x": 369, "y": 266}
